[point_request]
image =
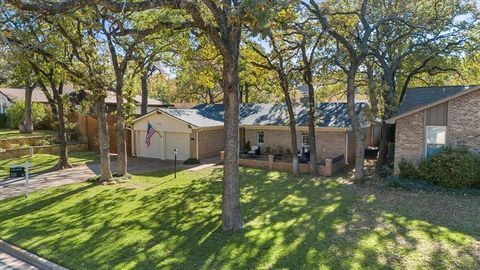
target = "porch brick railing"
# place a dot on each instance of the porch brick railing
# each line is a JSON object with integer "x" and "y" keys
{"x": 326, "y": 168}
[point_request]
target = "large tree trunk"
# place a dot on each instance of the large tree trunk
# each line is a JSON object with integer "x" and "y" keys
{"x": 312, "y": 140}
{"x": 120, "y": 132}
{"x": 231, "y": 211}
{"x": 62, "y": 131}
{"x": 144, "y": 80}
{"x": 27, "y": 126}
{"x": 383, "y": 147}
{"x": 358, "y": 132}
{"x": 373, "y": 91}
{"x": 292, "y": 124}
{"x": 389, "y": 109}
{"x": 106, "y": 173}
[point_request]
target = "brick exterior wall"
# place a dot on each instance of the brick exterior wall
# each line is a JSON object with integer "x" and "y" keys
{"x": 464, "y": 122}
{"x": 210, "y": 143}
{"x": 330, "y": 144}
{"x": 410, "y": 138}
{"x": 463, "y": 129}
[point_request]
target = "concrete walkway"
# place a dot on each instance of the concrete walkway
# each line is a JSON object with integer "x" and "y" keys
{"x": 82, "y": 173}
{"x": 8, "y": 262}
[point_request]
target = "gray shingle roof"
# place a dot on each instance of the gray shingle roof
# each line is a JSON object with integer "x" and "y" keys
{"x": 196, "y": 117}
{"x": 421, "y": 96}
{"x": 206, "y": 115}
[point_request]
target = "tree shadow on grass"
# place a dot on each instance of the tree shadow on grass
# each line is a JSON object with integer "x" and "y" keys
{"x": 156, "y": 221}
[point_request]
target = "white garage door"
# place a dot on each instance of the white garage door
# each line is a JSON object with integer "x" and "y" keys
{"x": 152, "y": 151}
{"x": 181, "y": 142}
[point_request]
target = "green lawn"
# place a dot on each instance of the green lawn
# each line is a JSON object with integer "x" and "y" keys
{"x": 157, "y": 222}
{"x": 44, "y": 162}
{"x": 14, "y": 133}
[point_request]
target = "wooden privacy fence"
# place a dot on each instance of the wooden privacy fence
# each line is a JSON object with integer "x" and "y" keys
{"x": 87, "y": 126}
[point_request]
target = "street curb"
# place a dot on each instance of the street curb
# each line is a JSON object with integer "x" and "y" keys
{"x": 29, "y": 257}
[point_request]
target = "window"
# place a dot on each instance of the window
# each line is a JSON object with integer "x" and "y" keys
{"x": 260, "y": 137}
{"x": 305, "y": 139}
{"x": 436, "y": 140}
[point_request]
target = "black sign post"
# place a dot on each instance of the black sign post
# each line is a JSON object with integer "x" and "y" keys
{"x": 17, "y": 171}
{"x": 175, "y": 152}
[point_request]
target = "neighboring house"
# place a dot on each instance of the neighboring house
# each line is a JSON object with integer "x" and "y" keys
{"x": 4, "y": 103}
{"x": 198, "y": 132}
{"x": 14, "y": 94}
{"x": 430, "y": 118}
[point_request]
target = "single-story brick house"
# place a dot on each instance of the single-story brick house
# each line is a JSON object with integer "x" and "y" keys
{"x": 198, "y": 132}
{"x": 430, "y": 118}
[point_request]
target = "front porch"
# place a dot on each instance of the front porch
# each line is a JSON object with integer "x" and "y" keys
{"x": 325, "y": 167}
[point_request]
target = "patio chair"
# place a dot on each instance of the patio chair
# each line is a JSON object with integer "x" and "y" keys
{"x": 254, "y": 151}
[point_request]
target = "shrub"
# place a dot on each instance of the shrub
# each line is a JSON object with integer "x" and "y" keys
{"x": 49, "y": 121}
{"x": 385, "y": 171}
{"x": 191, "y": 161}
{"x": 3, "y": 120}
{"x": 408, "y": 170}
{"x": 17, "y": 111}
{"x": 451, "y": 168}
{"x": 41, "y": 142}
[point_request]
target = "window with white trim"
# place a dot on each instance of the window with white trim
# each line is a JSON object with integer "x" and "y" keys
{"x": 260, "y": 137}
{"x": 305, "y": 141}
{"x": 435, "y": 140}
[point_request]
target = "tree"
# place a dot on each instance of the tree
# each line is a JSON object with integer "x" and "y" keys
{"x": 20, "y": 73}
{"x": 24, "y": 30}
{"x": 222, "y": 22}
{"x": 281, "y": 60}
{"x": 307, "y": 36}
{"x": 419, "y": 33}
{"x": 349, "y": 26}
{"x": 87, "y": 68}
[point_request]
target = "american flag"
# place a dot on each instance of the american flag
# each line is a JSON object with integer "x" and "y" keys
{"x": 150, "y": 132}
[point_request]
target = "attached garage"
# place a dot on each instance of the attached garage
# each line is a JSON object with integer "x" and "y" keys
{"x": 183, "y": 129}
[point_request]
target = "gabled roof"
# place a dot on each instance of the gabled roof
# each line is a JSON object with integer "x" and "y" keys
{"x": 112, "y": 99}
{"x": 420, "y": 98}
{"x": 15, "y": 94}
{"x": 195, "y": 117}
{"x": 329, "y": 115}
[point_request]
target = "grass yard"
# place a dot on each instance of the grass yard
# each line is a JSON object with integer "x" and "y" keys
{"x": 157, "y": 222}
{"x": 44, "y": 162}
{"x": 14, "y": 133}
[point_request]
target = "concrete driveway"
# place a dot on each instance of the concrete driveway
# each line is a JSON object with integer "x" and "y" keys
{"x": 8, "y": 262}
{"x": 81, "y": 173}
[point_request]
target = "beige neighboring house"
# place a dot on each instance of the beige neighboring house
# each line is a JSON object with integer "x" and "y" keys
{"x": 431, "y": 118}
{"x": 198, "y": 132}
{"x": 10, "y": 95}
{"x": 4, "y": 103}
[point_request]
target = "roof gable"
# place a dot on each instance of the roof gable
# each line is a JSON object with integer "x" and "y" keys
{"x": 420, "y": 98}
